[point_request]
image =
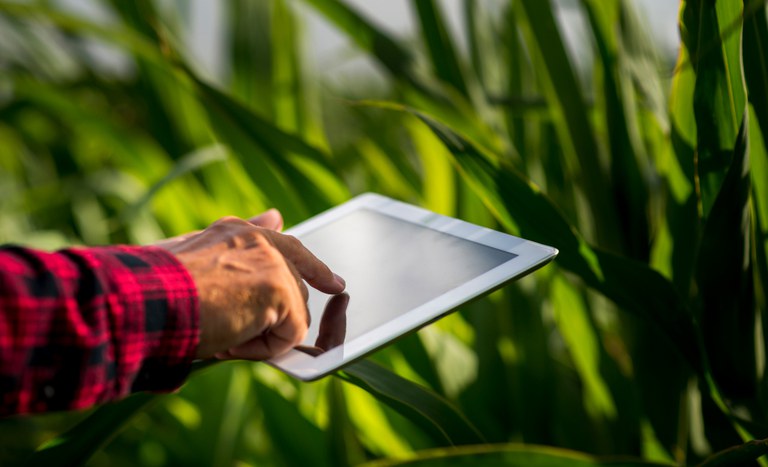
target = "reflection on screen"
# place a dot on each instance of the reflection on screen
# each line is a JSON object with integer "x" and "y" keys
{"x": 385, "y": 279}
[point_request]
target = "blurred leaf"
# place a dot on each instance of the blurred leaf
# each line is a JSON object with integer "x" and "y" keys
{"x": 120, "y": 35}
{"x": 373, "y": 427}
{"x": 724, "y": 270}
{"x": 719, "y": 96}
{"x": 289, "y": 96}
{"x": 575, "y": 132}
{"x": 738, "y": 455}
{"x": 251, "y": 54}
{"x": 442, "y": 52}
{"x": 584, "y": 345}
{"x": 183, "y": 166}
{"x": 159, "y": 92}
{"x": 724, "y": 278}
{"x": 436, "y": 415}
{"x": 755, "y": 58}
{"x": 455, "y": 362}
{"x": 395, "y": 58}
{"x": 345, "y": 447}
{"x": 758, "y": 157}
{"x": 296, "y": 439}
{"x": 628, "y": 159}
{"x": 77, "y": 445}
{"x": 439, "y": 189}
{"x": 270, "y": 156}
{"x": 509, "y": 195}
{"x": 511, "y": 455}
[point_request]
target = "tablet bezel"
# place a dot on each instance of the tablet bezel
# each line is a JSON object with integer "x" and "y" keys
{"x": 530, "y": 256}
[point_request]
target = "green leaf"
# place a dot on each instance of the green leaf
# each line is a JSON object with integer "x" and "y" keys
{"x": 724, "y": 279}
{"x": 77, "y": 445}
{"x": 719, "y": 96}
{"x": 251, "y": 54}
{"x": 432, "y": 412}
{"x": 296, "y": 440}
{"x": 519, "y": 204}
{"x": 758, "y": 156}
{"x": 119, "y": 35}
{"x": 738, "y": 455}
{"x": 511, "y": 455}
{"x": 575, "y": 132}
{"x": 280, "y": 163}
{"x": 755, "y": 51}
{"x": 628, "y": 158}
{"x": 397, "y": 60}
{"x": 584, "y": 345}
{"x": 186, "y": 164}
{"x": 345, "y": 447}
{"x": 442, "y": 52}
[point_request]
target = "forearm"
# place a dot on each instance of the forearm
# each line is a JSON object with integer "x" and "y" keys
{"x": 89, "y": 325}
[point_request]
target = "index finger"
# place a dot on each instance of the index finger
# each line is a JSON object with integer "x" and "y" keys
{"x": 311, "y": 269}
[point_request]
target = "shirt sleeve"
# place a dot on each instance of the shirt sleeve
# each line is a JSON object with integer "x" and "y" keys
{"x": 83, "y": 326}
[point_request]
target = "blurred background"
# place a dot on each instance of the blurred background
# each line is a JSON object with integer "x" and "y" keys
{"x": 615, "y": 130}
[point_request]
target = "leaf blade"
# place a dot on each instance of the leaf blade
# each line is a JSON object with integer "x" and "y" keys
{"x": 427, "y": 409}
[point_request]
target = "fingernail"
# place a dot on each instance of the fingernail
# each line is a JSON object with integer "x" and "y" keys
{"x": 339, "y": 280}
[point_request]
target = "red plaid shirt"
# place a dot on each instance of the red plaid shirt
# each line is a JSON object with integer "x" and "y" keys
{"x": 88, "y": 325}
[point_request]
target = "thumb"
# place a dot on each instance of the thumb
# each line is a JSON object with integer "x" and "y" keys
{"x": 271, "y": 219}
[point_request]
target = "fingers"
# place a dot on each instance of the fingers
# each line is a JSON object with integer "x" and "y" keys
{"x": 276, "y": 341}
{"x": 271, "y": 219}
{"x": 333, "y": 325}
{"x": 252, "y": 286}
{"x": 314, "y": 271}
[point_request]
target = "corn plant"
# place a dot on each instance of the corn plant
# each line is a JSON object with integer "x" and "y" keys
{"x": 643, "y": 344}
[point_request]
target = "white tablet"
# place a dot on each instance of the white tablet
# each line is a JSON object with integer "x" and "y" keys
{"x": 404, "y": 267}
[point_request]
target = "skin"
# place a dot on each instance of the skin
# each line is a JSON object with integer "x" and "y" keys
{"x": 250, "y": 281}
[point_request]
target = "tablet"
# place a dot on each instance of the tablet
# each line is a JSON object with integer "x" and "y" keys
{"x": 404, "y": 267}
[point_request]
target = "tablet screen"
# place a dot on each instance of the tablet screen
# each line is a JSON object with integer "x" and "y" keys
{"x": 365, "y": 248}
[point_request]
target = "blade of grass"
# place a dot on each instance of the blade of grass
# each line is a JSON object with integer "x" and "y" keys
{"x": 723, "y": 271}
{"x": 738, "y": 455}
{"x": 755, "y": 51}
{"x": 251, "y": 55}
{"x": 78, "y": 444}
{"x": 296, "y": 440}
{"x": 396, "y": 59}
{"x": 188, "y": 163}
{"x": 575, "y": 133}
{"x": 281, "y": 163}
{"x": 758, "y": 156}
{"x": 627, "y": 153}
{"x": 442, "y": 52}
{"x": 719, "y": 96}
{"x": 345, "y": 447}
{"x": 509, "y": 195}
{"x": 724, "y": 277}
{"x": 511, "y": 455}
{"x": 436, "y": 415}
{"x": 583, "y": 343}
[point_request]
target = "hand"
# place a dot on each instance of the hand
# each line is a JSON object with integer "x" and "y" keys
{"x": 333, "y": 326}
{"x": 249, "y": 280}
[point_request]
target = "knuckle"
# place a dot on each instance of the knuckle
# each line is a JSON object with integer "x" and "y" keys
{"x": 226, "y": 223}
{"x": 229, "y": 220}
{"x": 256, "y": 237}
{"x": 294, "y": 242}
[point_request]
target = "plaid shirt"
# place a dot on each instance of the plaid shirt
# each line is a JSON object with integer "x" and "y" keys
{"x": 88, "y": 325}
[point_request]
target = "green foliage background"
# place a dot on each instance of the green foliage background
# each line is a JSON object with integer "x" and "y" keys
{"x": 645, "y": 340}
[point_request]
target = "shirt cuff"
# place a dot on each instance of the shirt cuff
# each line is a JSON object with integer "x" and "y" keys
{"x": 154, "y": 319}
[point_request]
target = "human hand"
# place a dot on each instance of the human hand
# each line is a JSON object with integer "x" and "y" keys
{"x": 333, "y": 326}
{"x": 249, "y": 280}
